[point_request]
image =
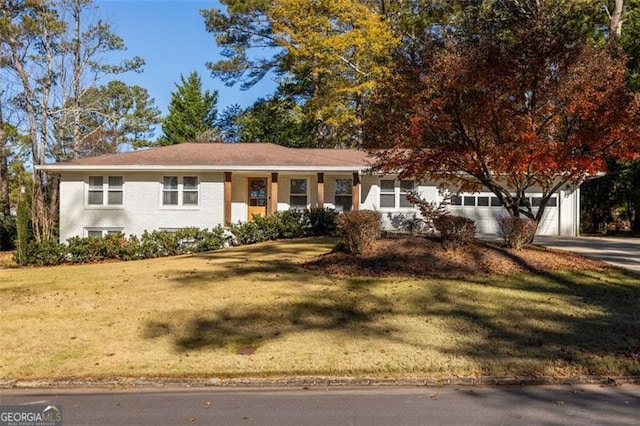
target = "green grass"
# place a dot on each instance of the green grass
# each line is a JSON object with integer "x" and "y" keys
{"x": 190, "y": 316}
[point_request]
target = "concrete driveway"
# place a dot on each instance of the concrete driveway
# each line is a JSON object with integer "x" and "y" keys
{"x": 621, "y": 252}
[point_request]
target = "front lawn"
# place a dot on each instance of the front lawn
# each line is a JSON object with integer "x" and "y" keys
{"x": 254, "y": 311}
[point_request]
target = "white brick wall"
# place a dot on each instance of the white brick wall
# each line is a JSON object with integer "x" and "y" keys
{"x": 141, "y": 209}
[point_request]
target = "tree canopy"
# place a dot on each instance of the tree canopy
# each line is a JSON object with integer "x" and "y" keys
{"x": 192, "y": 113}
{"x": 329, "y": 53}
{"x": 51, "y": 53}
{"x": 275, "y": 119}
{"x": 513, "y": 98}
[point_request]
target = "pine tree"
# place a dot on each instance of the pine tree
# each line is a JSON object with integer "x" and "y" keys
{"x": 192, "y": 113}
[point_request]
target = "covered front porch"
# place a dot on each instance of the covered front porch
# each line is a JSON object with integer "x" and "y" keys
{"x": 260, "y": 192}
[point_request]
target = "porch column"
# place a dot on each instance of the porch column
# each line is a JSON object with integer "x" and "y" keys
{"x": 227, "y": 198}
{"x": 355, "y": 192}
{"x": 274, "y": 193}
{"x": 320, "y": 190}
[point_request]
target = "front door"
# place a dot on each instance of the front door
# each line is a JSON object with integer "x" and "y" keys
{"x": 257, "y": 197}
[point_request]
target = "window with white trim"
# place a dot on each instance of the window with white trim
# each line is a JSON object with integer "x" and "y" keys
{"x": 406, "y": 187}
{"x": 190, "y": 191}
{"x": 105, "y": 191}
{"x": 387, "y": 193}
{"x": 114, "y": 190}
{"x": 170, "y": 190}
{"x": 395, "y": 196}
{"x": 298, "y": 194}
{"x": 101, "y": 232}
{"x": 180, "y": 191}
{"x": 342, "y": 195}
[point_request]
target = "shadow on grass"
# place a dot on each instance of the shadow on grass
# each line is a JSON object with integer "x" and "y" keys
{"x": 531, "y": 323}
{"x": 598, "y": 330}
{"x": 240, "y": 325}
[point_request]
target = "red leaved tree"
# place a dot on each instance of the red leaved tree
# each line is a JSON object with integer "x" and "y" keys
{"x": 513, "y": 102}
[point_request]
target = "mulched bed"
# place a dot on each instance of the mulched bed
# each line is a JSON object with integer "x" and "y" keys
{"x": 415, "y": 256}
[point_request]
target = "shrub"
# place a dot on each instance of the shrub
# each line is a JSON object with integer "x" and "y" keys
{"x": 158, "y": 244}
{"x": 321, "y": 221}
{"x": 292, "y": 223}
{"x": 285, "y": 224}
{"x": 359, "y": 230}
{"x": 8, "y": 232}
{"x": 246, "y": 232}
{"x": 45, "y": 253}
{"x": 268, "y": 227}
{"x": 455, "y": 231}
{"x": 429, "y": 210}
{"x": 194, "y": 240}
{"x": 93, "y": 249}
{"x": 517, "y": 232}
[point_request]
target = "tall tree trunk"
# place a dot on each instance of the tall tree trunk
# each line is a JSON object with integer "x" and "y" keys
{"x": 615, "y": 25}
{"x": 635, "y": 225}
{"x": 5, "y": 204}
{"x": 77, "y": 71}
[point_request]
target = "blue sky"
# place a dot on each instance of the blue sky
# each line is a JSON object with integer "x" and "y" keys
{"x": 170, "y": 36}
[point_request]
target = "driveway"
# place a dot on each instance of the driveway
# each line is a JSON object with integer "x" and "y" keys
{"x": 621, "y": 252}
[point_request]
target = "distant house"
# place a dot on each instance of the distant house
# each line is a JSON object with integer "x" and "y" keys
{"x": 205, "y": 185}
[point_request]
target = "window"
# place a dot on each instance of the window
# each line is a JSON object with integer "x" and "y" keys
{"x": 495, "y": 202}
{"x": 469, "y": 201}
{"x": 190, "y": 191}
{"x": 342, "y": 194}
{"x": 107, "y": 191}
{"x": 298, "y": 194}
{"x": 536, "y": 201}
{"x": 96, "y": 191}
{"x": 483, "y": 201}
{"x": 101, "y": 232}
{"x": 406, "y": 187}
{"x": 178, "y": 191}
{"x": 392, "y": 196}
{"x": 170, "y": 191}
{"x": 387, "y": 193}
{"x": 456, "y": 200}
{"x": 115, "y": 190}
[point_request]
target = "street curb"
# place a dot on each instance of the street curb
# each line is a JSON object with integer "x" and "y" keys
{"x": 312, "y": 382}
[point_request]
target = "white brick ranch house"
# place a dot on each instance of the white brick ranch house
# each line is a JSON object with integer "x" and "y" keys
{"x": 205, "y": 185}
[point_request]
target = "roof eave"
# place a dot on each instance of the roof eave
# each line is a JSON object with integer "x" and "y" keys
{"x": 59, "y": 168}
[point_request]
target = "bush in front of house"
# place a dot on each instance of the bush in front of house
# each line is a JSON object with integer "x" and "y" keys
{"x": 93, "y": 249}
{"x": 117, "y": 246}
{"x": 517, "y": 232}
{"x": 45, "y": 253}
{"x": 183, "y": 241}
{"x": 321, "y": 221}
{"x": 359, "y": 230}
{"x": 455, "y": 231}
{"x": 281, "y": 225}
{"x": 285, "y": 224}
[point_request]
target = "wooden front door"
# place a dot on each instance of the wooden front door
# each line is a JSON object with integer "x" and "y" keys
{"x": 257, "y": 197}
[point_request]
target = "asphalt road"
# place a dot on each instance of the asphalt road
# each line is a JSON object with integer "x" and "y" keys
{"x": 532, "y": 405}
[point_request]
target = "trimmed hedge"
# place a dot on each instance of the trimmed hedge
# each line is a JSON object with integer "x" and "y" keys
{"x": 517, "y": 232}
{"x": 455, "y": 231}
{"x": 282, "y": 225}
{"x": 359, "y": 230}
